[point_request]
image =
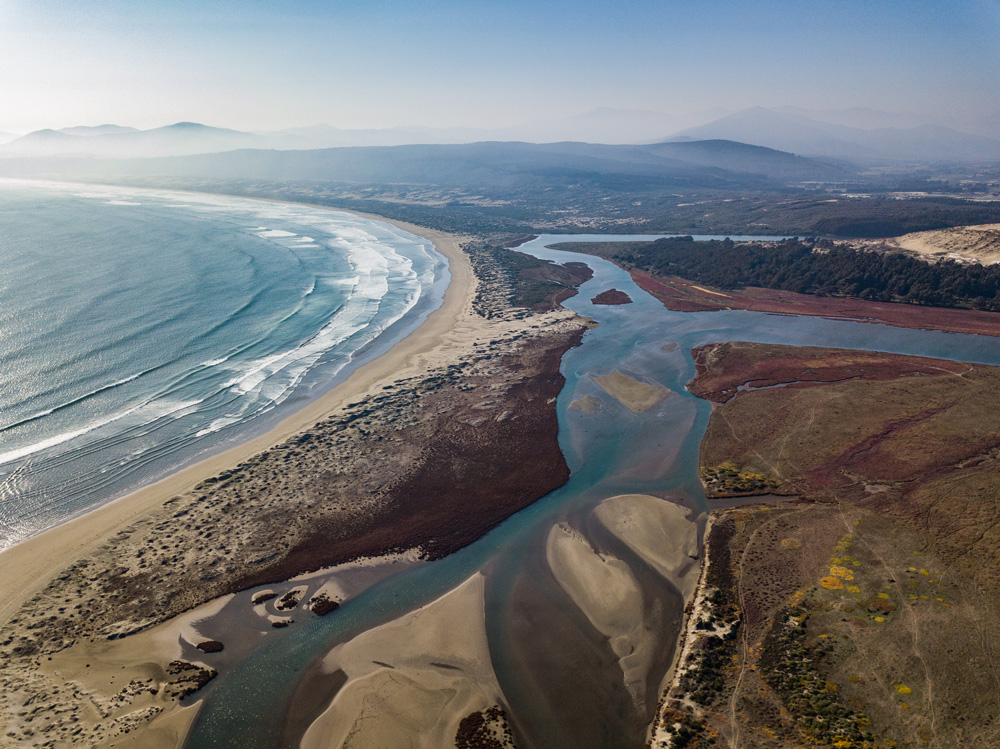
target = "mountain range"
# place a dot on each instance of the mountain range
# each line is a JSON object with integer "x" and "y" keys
{"x": 491, "y": 166}
{"x": 859, "y": 135}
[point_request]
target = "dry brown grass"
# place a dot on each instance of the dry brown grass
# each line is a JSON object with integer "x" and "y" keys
{"x": 888, "y": 561}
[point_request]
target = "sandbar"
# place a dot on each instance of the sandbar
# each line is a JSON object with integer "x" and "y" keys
{"x": 605, "y": 590}
{"x": 410, "y": 682}
{"x": 588, "y": 404}
{"x": 638, "y": 397}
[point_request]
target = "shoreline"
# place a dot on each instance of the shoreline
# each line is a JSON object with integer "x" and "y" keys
{"x": 30, "y": 565}
{"x": 686, "y": 638}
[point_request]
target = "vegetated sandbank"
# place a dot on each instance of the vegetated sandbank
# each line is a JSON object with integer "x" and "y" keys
{"x": 100, "y": 595}
{"x": 864, "y": 611}
{"x": 612, "y": 296}
{"x": 684, "y": 296}
{"x": 859, "y": 280}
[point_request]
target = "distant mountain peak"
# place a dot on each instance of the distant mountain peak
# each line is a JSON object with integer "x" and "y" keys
{"x": 94, "y": 130}
{"x": 798, "y": 133}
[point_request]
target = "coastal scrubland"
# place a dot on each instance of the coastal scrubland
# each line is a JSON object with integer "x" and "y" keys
{"x": 422, "y": 463}
{"x": 863, "y": 612}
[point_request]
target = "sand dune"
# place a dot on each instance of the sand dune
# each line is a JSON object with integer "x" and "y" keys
{"x": 978, "y": 244}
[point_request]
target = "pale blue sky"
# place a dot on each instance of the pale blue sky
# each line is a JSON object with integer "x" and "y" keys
{"x": 265, "y": 65}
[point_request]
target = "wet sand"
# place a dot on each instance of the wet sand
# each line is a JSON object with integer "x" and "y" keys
{"x": 588, "y": 404}
{"x": 411, "y": 682}
{"x": 638, "y": 397}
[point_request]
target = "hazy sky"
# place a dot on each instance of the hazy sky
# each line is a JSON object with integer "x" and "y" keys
{"x": 378, "y": 63}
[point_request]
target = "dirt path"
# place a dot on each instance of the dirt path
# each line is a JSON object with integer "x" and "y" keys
{"x": 744, "y": 654}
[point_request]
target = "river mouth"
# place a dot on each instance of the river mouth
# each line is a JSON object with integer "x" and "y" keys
{"x": 562, "y": 681}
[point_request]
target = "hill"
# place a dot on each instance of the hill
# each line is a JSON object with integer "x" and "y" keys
{"x": 92, "y": 130}
{"x": 750, "y": 159}
{"x": 797, "y": 133}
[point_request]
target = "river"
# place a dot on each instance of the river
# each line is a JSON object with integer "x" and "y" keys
{"x": 569, "y": 694}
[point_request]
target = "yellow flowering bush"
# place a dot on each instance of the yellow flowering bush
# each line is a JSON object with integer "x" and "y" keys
{"x": 841, "y": 572}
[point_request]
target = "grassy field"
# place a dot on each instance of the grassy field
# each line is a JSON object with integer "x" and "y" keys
{"x": 868, "y": 606}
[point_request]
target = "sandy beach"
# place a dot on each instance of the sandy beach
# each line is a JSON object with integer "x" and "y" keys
{"x": 30, "y": 565}
{"x": 98, "y": 686}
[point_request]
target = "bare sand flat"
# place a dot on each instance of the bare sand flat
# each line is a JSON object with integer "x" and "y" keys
{"x": 658, "y": 531}
{"x": 638, "y": 397}
{"x": 410, "y": 682}
{"x": 98, "y": 670}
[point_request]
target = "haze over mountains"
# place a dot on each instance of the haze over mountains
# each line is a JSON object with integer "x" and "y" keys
{"x": 703, "y": 164}
{"x": 798, "y": 133}
{"x": 860, "y": 135}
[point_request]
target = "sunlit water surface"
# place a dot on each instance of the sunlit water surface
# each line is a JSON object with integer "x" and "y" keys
{"x": 141, "y": 330}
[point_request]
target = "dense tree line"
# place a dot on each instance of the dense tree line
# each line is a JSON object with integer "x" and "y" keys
{"x": 817, "y": 267}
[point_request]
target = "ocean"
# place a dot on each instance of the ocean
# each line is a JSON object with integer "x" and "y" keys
{"x": 142, "y": 330}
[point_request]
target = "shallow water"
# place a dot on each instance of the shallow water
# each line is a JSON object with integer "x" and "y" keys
{"x": 141, "y": 330}
{"x": 563, "y": 689}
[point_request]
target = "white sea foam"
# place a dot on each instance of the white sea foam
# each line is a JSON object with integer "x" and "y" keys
{"x": 382, "y": 285}
{"x": 355, "y": 324}
{"x": 150, "y": 411}
{"x": 218, "y": 425}
{"x": 276, "y": 233}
